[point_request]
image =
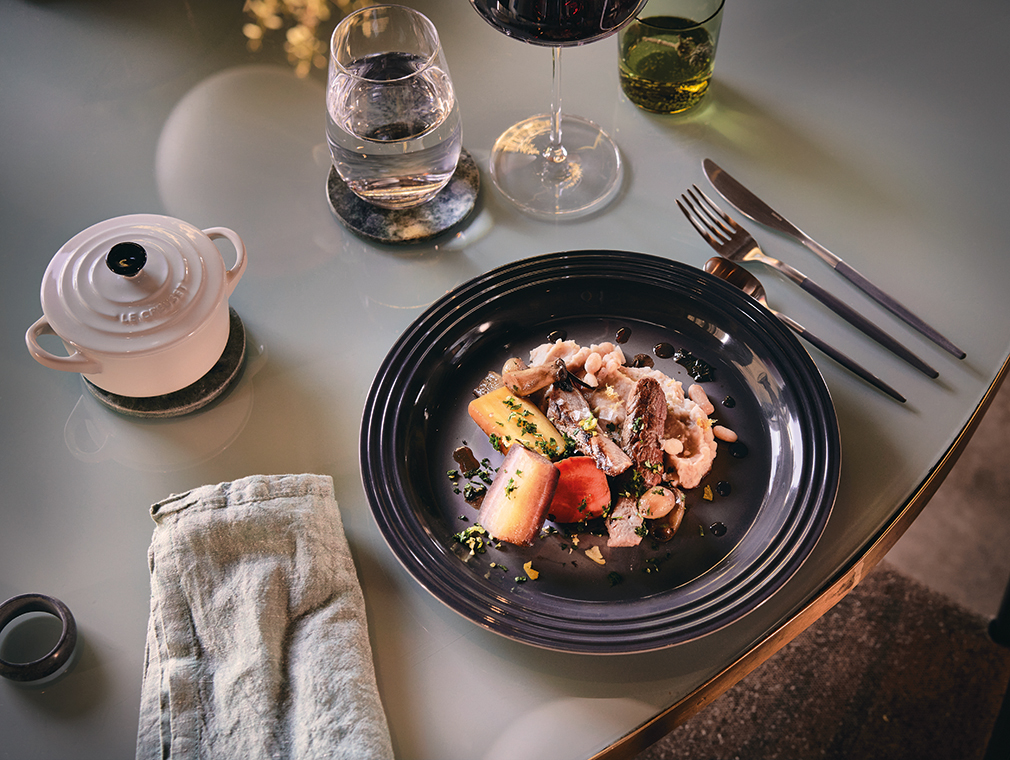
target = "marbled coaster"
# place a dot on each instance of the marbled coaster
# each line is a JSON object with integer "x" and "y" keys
{"x": 450, "y": 207}
{"x": 194, "y": 396}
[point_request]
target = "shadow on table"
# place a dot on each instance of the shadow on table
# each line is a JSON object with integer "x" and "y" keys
{"x": 82, "y": 690}
{"x": 734, "y": 123}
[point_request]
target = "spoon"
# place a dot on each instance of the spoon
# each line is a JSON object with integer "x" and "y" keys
{"x": 749, "y": 284}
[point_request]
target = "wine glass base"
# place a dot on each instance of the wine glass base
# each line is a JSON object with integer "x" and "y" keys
{"x": 585, "y": 181}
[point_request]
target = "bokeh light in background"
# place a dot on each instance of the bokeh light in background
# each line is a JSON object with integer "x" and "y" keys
{"x": 304, "y": 24}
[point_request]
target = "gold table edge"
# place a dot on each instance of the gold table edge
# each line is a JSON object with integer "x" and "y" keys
{"x": 847, "y": 579}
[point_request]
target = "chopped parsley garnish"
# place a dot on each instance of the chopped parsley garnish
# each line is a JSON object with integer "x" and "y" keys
{"x": 549, "y": 448}
{"x": 475, "y": 538}
{"x": 472, "y": 490}
{"x": 510, "y": 487}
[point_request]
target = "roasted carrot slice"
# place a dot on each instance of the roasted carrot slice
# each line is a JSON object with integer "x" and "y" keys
{"x": 515, "y": 505}
{"x": 583, "y": 491}
{"x": 507, "y": 418}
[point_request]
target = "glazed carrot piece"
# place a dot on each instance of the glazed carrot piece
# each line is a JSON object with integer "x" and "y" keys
{"x": 515, "y": 506}
{"x": 583, "y": 491}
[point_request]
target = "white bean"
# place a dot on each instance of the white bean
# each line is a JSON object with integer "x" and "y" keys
{"x": 724, "y": 433}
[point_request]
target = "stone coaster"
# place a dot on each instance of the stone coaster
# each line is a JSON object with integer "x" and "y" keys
{"x": 194, "y": 396}
{"x": 413, "y": 225}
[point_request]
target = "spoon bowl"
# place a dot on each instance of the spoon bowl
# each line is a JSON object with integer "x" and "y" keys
{"x": 740, "y": 277}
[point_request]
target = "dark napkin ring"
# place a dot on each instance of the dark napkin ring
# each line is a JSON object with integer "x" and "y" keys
{"x": 59, "y": 656}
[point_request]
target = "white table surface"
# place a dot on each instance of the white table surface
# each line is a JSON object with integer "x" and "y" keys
{"x": 879, "y": 128}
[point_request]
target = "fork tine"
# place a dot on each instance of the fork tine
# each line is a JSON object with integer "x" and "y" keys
{"x": 713, "y": 223}
{"x": 724, "y": 220}
{"x": 720, "y": 232}
{"x": 703, "y": 231}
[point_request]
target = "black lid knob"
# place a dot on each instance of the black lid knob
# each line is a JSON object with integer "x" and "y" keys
{"x": 126, "y": 259}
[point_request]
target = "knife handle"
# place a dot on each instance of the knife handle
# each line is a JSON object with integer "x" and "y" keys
{"x": 842, "y": 359}
{"x": 858, "y": 320}
{"x": 896, "y": 308}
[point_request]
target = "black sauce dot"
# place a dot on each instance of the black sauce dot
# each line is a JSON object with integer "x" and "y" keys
{"x": 642, "y": 360}
{"x": 723, "y": 488}
{"x": 557, "y": 335}
{"x": 623, "y": 335}
{"x": 738, "y": 449}
{"x": 729, "y": 402}
{"x": 664, "y": 350}
{"x": 698, "y": 369}
{"x": 717, "y": 529}
{"x": 662, "y": 532}
{"x": 465, "y": 459}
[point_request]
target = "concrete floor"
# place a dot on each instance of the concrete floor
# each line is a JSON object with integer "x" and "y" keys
{"x": 960, "y": 544}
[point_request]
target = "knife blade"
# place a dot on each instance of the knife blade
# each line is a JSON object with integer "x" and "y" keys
{"x": 755, "y": 208}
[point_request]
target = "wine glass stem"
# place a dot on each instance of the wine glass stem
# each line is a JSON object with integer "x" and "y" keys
{"x": 555, "y": 152}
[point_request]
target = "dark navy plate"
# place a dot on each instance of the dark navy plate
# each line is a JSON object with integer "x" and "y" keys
{"x": 770, "y": 496}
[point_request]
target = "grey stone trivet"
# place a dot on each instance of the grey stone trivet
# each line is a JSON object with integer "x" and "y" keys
{"x": 447, "y": 209}
{"x": 194, "y": 396}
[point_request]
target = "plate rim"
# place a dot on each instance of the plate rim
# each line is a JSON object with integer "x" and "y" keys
{"x": 526, "y": 272}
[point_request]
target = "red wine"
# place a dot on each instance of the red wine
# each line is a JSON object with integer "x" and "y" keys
{"x": 557, "y": 22}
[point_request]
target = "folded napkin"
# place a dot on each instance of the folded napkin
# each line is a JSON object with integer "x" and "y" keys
{"x": 257, "y": 644}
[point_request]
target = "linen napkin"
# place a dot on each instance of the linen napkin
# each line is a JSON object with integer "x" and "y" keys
{"x": 257, "y": 645}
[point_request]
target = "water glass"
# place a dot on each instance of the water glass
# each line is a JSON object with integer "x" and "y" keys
{"x": 666, "y": 55}
{"x": 393, "y": 125}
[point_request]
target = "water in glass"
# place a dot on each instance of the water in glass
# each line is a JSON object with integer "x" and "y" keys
{"x": 393, "y": 128}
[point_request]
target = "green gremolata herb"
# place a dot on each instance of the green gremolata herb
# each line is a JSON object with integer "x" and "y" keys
{"x": 472, "y": 490}
{"x": 475, "y": 538}
{"x": 549, "y": 448}
{"x": 510, "y": 487}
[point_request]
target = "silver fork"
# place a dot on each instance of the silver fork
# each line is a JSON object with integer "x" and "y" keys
{"x": 733, "y": 242}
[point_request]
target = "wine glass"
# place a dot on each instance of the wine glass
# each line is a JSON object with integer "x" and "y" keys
{"x": 557, "y": 165}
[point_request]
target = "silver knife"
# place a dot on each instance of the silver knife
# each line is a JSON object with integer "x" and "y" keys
{"x": 759, "y": 211}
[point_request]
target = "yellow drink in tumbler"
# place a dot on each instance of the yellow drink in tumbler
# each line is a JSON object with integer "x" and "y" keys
{"x": 666, "y": 63}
